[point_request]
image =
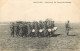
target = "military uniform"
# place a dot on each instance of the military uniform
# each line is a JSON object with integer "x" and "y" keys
{"x": 17, "y": 29}
{"x": 67, "y": 28}
{"x": 36, "y": 28}
{"x": 41, "y": 29}
{"x": 21, "y": 30}
{"x": 12, "y": 29}
{"x": 52, "y": 26}
{"x": 32, "y": 29}
{"x": 29, "y": 29}
{"x": 45, "y": 28}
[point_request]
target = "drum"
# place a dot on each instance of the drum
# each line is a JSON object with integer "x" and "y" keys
{"x": 33, "y": 30}
{"x": 49, "y": 30}
{"x": 41, "y": 30}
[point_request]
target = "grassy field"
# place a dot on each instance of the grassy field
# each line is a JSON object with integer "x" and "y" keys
{"x": 58, "y": 43}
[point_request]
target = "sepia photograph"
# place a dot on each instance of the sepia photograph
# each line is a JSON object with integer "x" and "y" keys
{"x": 39, "y": 25}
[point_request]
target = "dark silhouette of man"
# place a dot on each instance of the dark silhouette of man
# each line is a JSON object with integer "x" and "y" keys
{"x": 67, "y": 27}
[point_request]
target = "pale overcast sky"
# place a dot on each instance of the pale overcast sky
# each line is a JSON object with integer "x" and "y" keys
{"x": 26, "y": 10}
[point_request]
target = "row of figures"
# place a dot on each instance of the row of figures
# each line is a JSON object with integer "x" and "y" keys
{"x": 33, "y": 29}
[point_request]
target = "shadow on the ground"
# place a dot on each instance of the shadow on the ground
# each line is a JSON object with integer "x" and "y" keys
{"x": 55, "y": 35}
{"x": 71, "y": 35}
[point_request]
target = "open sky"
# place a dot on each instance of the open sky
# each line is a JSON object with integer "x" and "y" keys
{"x": 26, "y": 10}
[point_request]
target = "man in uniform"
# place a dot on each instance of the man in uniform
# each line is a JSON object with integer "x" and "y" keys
{"x": 52, "y": 26}
{"x": 67, "y": 28}
{"x": 21, "y": 30}
{"x": 29, "y": 29}
{"x": 49, "y": 29}
{"x": 12, "y": 29}
{"x": 45, "y": 28}
{"x": 24, "y": 29}
{"x": 32, "y": 29}
{"x": 41, "y": 29}
{"x": 36, "y": 28}
{"x": 17, "y": 29}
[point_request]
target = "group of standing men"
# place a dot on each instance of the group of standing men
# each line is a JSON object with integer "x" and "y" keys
{"x": 33, "y": 29}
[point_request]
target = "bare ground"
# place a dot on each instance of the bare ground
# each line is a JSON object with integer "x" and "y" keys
{"x": 58, "y": 43}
